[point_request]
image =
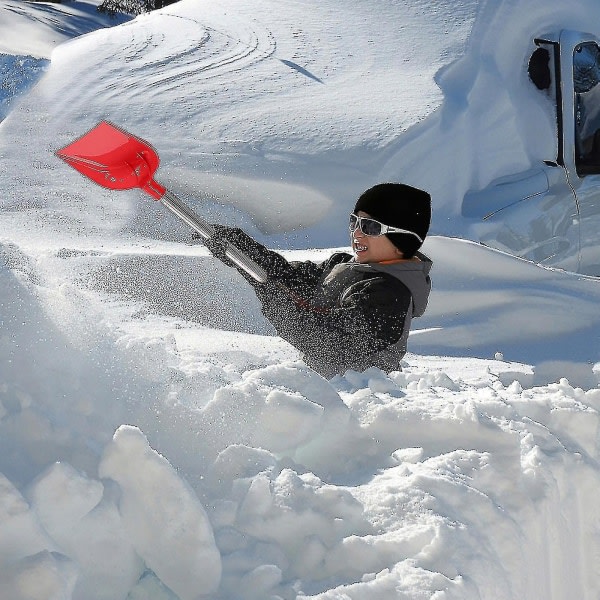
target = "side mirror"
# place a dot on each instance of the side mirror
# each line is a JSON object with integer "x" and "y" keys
{"x": 539, "y": 69}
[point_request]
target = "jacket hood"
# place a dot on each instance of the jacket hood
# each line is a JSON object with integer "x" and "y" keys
{"x": 414, "y": 274}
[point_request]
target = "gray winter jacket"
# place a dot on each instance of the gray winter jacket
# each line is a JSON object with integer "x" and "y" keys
{"x": 340, "y": 314}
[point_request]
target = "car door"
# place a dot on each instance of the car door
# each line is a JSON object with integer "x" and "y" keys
{"x": 581, "y": 109}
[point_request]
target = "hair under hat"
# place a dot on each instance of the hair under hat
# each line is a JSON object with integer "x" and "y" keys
{"x": 399, "y": 205}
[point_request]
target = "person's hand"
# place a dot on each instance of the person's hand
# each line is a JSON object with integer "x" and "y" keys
{"x": 217, "y": 243}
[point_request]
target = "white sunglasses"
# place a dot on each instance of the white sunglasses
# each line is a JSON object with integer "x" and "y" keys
{"x": 373, "y": 228}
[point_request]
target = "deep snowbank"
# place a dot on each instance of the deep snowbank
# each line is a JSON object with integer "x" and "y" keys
{"x": 448, "y": 476}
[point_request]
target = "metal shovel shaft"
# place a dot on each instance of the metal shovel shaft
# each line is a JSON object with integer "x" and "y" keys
{"x": 206, "y": 231}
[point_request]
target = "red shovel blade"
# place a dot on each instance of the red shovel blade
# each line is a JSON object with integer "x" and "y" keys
{"x": 114, "y": 159}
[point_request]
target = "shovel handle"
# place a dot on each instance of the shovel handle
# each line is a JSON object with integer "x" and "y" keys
{"x": 206, "y": 230}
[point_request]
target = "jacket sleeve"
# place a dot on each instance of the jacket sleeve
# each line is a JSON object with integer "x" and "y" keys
{"x": 297, "y": 276}
{"x": 370, "y": 317}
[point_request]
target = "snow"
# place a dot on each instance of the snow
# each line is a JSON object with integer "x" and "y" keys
{"x": 156, "y": 518}
{"x": 157, "y": 441}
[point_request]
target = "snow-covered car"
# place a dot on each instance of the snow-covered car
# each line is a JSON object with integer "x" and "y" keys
{"x": 550, "y": 213}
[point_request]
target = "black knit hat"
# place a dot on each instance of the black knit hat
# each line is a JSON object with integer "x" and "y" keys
{"x": 399, "y": 205}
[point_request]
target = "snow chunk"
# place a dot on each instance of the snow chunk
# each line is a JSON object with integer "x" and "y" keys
{"x": 168, "y": 526}
{"x": 149, "y": 586}
{"x": 302, "y": 516}
{"x": 88, "y": 529}
{"x": 20, "y": 531}
{"x": 290, "y": 419}
{"x": 44, "y": 576}
{"x": 61, "y": 496}
{"x": 235, "y": 462}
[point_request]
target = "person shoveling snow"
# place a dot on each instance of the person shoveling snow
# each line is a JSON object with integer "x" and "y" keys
{"x": 348, "y": 312}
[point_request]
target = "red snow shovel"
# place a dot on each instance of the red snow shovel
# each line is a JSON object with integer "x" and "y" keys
{"x": 118, "y": 160}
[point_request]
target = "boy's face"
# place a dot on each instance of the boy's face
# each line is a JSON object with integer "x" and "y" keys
{"x": 369, "y": 249}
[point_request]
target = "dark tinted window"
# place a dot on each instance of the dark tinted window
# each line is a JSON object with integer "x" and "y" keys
{"x": 586, "y": 77}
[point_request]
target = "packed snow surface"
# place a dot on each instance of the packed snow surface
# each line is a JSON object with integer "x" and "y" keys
{"x": 157, "y": 440}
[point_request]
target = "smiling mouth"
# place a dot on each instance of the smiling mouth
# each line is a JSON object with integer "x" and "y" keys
{"x": 359, "y": 247}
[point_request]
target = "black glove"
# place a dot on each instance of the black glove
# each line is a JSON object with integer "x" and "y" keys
{"x": 221, "y": 237}
{"x": 217, "y": 243}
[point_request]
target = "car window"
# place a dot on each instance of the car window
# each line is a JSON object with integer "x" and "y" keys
{"x": 586, "y": 77}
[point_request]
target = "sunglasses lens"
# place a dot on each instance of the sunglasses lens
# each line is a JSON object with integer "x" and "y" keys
{"x": 370, "y": 227}
{"x": 353, "y": 222}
